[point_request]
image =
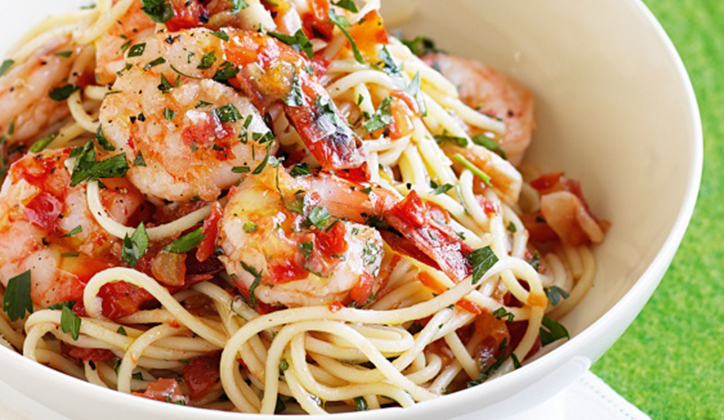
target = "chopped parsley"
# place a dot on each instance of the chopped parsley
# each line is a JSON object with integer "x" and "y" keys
{"x": 228, "y": 113}
{"x": 360, "y": 404}
{"x": 17, "y": 300}
{"x": 221, "y": 35}
{"x": 551, "y": 331}
{"x": 69, "y": 254}
{"x": 341, "y": 22}
{"x": 154, "y": 63}
{"x": 388, "y": 64}
{"x": 328, "y": 121}
{"x": 102, "y": 140}
{"x": 62, "y": 93}
{"x": 70, "y": 322}
{"x": 512, "y": 228}
{"x": 165, "y": 85}
{"x": 225, "y": 72}
{"x": 474, "y": 169}
{"x": 137, "y": 50}
{"x": 482, "y": 260}
{"x": 207, "y": 61}
{"x": 135, "y": 246}
{"x": 42, "y": 143}
{"x": 300, "y": 169}
{"x": 6, "y": 65}
{"x": 76, "y": 230}
{"x": 318, "y": 217}
{"x": 299, "y": 42}
{"x": 446, "y": 138}
{"x": 555, "y": 294}
{"x": 241, "y": 169}
{"x": 535, "y": 261}
{"x": 442, "y": 189}
{"x": 306, "y": 248}
{"x": 414, "y": 90}
{"x": 238, "y": 5}
{"x": 502, "y": 313}
{"x": 382, "y": 118}
{"x": 295, "y": 97}
{"x": 420, "y": 46}
{"x": 169, "y": 114}
{"x": 87, "y": 168}
{"x": 250, "y": 227}
{"x": 257, "y": 281}
{"x": 64, "y": 54}
{"x": 490, "y": 144}
{"x": 159, "y": 11}
{"x": 370, "y": 253}
{"x": 186, "y": 243}
{"x": 139, "y": 161}
{"x": 121, "y": 331}
{"x": 283, "y": 365}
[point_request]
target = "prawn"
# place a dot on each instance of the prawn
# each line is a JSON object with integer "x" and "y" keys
{"x": 26, "y": 108}
{"x": 491, "y": 92}
{"x": 47, "y": 228}
{"x": 278, "y": 229}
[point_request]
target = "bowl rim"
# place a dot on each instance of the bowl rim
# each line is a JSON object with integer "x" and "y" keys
{"x": 638, "y": 294}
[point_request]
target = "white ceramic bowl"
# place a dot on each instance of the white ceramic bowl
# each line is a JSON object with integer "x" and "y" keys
{"x": 615, "y": 110}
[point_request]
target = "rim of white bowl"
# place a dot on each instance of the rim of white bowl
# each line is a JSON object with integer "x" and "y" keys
{"x": 638, "y": 295}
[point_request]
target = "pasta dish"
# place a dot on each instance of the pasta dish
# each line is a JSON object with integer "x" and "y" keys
{"x": 275, "y": 206}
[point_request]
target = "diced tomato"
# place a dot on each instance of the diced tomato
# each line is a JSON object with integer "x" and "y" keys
{"x": 122, "y": 299}
{"x": 286, "y": 270}
{"x": 187, "y": 15}
{"x": 202, "y": 375}
{"x": 402, "y": 124}
{"x": 538, "y": 229}
{"x": 320, "y": 65}
{"x": 85, "y": 354}
{"x": 429, "y": 281}
{"x": 488, "y": 206}
{"x": 332, "y": 242}
{"x": 369, "y": 32}
{"x": 317, "y": 21}
{"x": 206, "y": 132}
{"x": 546, "y": 182}
{"x": 362, "y": 291}
{"x": 335, "y": 306}
{"x": 211, "y": 232}
{"x": 43, "y": 210}
{"x": 169, "y": 268}
{"x": 86, "y": 79}
{"x": 164, "y": 390}
{"x": 409, "y": 100}
{"x": 469, "y": 306}
{"x": 492, "y": 332}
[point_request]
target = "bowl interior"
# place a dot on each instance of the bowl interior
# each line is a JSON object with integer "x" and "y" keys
{"x": 611, "y": 112}
{"x": 614, "y": 109}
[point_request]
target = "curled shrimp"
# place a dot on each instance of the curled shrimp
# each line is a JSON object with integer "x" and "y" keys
{"x": 264, "y": 210}
{"x": 26, "y": 108}
{"x": 46, "y": 227}
{"x": 492, "y": 93}
{"x": 285, "y": 250}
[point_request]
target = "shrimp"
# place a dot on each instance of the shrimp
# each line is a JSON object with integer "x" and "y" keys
{"x": 25, "y": 106}
{"x": 123, "y": 33}
{"x": 491, "y": 92}
{"x": 47, "y": 228}
{"x": 287, "y": 252}
{"x": 195, "y": 138}
{"x": 307, "y": 240}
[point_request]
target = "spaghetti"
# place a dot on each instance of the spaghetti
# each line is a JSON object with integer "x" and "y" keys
{"x": 275, "y": 207}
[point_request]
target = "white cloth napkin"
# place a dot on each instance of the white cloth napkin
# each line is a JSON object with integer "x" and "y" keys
{"x": 589, "y": 398}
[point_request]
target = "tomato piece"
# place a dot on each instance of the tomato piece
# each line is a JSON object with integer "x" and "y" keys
{"x": 317, "y": 21}
{"x": 187, "y": 15}
{"x": 470, "y": 306}
{"x": 493, "y": 333}
{"x": 201, "y": 375}
{"x": 362, "y": 291}
{"x": 547, "y": 182}
{"x": 122, "y": 299}
{"x": 488, "y": 206}
{"x": 211, "y": 233}
{"x": 429, "y": 281}
{"x": 85, "y": 354}
{"x": 164, "y": 390}
{"x": 335, "y": 306}
{"x": 402, "y": 124}
{"x": 517, "y": 331}
{"x": 329, "y": 243}
{"x": 286, "y": 270}
{"x": 43, "y": 211}
{"x": 169, "y": 268}
{"x": 369, "y": 32}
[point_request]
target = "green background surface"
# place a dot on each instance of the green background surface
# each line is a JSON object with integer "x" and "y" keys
{"x": 670, "y": 362}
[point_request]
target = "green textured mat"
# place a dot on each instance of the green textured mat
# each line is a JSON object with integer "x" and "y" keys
{"x": 670, "y": 362}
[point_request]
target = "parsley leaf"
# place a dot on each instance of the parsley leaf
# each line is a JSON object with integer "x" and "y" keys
{"x": 87, "y": 168}
{"x": 157, "y": 62}
{"x": 186, "y": 243}
{"x": 295, "y": 97}
{"x": 442, "y": 189}
{"x": 551, "y": 331}
{"x": 388, "y": 64}
{"x": 17, "y": 301}
{"x": 241, "y": 169}
{"x": 382, "y": 118}
{"x": 474, "y": 169}
{"x": 137, "y": 50}
{"x": 420, "y": 46}
{"x": 250, "y": 227}
{"x": 318, "y": 217}
{"x": 482, "y": 260}
{"x": 139, "y": 160}
{"x": 62, "y": 93}
{"x": 225, "y": 72}
{"x": 238, "y": 5}
{"x": 490, "y": 144}
{"x": 228, "y": 113}
{"x": 5, "y": 66}
{"x": 341, "y": 22}
{"x": 64, "y": 54}
{"x": 360, "y": 404}
{"x": 257, "y": 281}
{"x": 207, "y": 61}
{"x": 299, "y": 42}
{"x": 555, "y": 294}
{"x": 42, "y": 143}
{"x": 502, "y": 313}
{"x": 446, "y": 138}
{"x": 158, "y": 10}
{"x": 135, "y": 246}
{"x": 102, "y": 140}
{"x": 70, "y": 322}
{"x": 306, "y": 248}
{"x": 414, "y": 90}
{"x": 300, "y": 169}
{"x": 76, "y": 230}
{"x": 169, "y": 114}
